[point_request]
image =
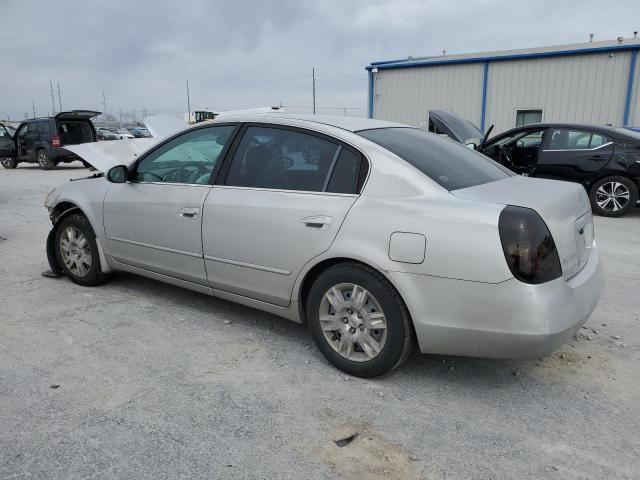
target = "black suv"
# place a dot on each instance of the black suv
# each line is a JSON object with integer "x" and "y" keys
{"x": 42, "y": 140}
{"x": 604, "y": 159}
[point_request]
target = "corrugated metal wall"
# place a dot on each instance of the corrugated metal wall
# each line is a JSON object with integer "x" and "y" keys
{"x": 581, "y": 88}
{"x": 634, "y": 110}
{"x": 406, "y": 95}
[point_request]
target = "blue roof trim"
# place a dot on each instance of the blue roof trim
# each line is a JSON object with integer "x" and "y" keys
{"x": 627, "y": 102}
{"x": 498, "y": 58}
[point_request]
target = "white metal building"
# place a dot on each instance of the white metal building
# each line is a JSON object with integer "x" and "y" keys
{"x": 594, "y": 82}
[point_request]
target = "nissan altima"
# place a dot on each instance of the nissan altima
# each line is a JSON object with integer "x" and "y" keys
{"x": 376, "y": 235}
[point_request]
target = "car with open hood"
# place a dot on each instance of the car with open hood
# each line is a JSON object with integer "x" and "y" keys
{"x": 44, "y": 140}
{"x": 605, "y": 160}
{"x": 376, "y": 235}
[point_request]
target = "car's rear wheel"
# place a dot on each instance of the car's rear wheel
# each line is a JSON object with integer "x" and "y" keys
{"x": 613, "y": 196}
{"x": 44, "y": 161}
{"x": 358, "y": 320}
{"x": 9, "y": 162}
{"x": 77, "y": 251}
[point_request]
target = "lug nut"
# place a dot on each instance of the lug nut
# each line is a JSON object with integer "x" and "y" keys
{"x": 352, "y": 330}
{"x": 361, "y": 327}
{"x": 350, "y": 311}
{"x": 359, "y": 315}
{"x": 345, "y": 319}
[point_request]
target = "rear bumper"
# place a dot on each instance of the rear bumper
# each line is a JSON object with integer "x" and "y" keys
{"x": 510, "y": 319}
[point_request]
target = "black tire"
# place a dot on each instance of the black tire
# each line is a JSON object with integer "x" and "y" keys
{"x": 9, "y": 162}
{"x": 400, "y": 334}
{"x": 94, "y": 276}
{"x": 43, "y": 160}
{"x": 605, "y": 185}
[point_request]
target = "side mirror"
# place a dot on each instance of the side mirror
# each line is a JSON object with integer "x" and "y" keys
{"x": 118, "y": 174}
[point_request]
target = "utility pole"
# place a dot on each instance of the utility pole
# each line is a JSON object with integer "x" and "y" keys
{"x": 53, "y": 100}
{"x": 144, "y": 113}
{"x": 120, "y": 112}
{"x": 188, "y": 104}
{"x": 313, "y": 77}
{"x": 59, "y": 97}
{"x": 33, "y": 106}
{"x": 104, "y": 103}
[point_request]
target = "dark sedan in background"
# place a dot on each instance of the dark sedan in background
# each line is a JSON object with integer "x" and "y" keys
{"x": 604, "y": 159}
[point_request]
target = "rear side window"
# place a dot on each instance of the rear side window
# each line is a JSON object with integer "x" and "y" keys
{"x": 450, "y": 164}
{"x": 281, "y": 159}
{"x": 565, "y": 139}
{"x": 43, "y": 127}
{"x": 346, "y": 173}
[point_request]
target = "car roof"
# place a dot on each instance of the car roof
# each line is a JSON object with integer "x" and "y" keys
{"x": 615, "y": 132}
{"x": 351, "y": 124}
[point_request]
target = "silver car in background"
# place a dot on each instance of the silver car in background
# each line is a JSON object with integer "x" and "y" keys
{"x": 374, "y": 234}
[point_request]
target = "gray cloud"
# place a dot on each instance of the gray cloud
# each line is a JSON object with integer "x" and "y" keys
{"x": 254, "y": 53}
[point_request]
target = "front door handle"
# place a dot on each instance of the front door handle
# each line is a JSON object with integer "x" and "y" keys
{"x": 320, "y": 222}
{"x": 189, "y": 213}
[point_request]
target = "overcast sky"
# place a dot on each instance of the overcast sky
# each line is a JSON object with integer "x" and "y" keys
{"x": 242, "y": 54}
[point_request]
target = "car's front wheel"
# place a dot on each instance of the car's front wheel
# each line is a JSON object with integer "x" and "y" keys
{"x": 358, "y": 320}
{"x": 44, "y": 161}
{"x": 613, "y": 196}
{"x": 9, "y": 162}
{"x": 77, "y": 251}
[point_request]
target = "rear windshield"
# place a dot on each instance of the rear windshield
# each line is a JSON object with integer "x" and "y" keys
{"x": 448, "y": 163}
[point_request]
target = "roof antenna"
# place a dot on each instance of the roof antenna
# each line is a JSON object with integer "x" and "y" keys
{"x": 444, "y": 52}
{"x": 635, "y": 34}
{"x": 620, "y": 40}
{"x": 591, "y": 37}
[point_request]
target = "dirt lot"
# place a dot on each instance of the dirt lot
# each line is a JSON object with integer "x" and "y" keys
{"x": 137, "y": 379}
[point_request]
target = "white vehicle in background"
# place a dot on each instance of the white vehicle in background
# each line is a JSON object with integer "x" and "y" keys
{"x": 123, "y": 133}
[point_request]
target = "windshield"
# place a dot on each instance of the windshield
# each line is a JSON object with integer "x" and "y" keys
{"x": 448, "y": 163}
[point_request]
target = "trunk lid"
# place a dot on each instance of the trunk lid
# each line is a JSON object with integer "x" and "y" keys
{"x": 564, "y": 207}
{"x": 455, "y": 127}
{"x": 76, "y": 114}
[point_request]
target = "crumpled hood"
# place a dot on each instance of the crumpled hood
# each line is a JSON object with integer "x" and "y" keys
{"x": 104, "y": 155}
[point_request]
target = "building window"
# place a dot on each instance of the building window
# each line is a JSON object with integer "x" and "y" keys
{"x": 525, "y": 117}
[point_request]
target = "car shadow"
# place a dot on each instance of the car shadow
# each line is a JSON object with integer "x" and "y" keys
{"x": 35, "y": 166}
{"x": 458, "y": 370}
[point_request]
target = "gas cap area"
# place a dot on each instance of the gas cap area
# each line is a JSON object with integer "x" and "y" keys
{"x": 407, "y": 247}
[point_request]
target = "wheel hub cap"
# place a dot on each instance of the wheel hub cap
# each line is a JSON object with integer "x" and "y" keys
{"x": 612, "y": 196}
{"x": 353, "y": 322}
{"x": 75, "y": 252}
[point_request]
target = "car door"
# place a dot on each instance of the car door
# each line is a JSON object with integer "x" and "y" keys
{"x": 7, "y": 146}
{"x": 153, "y": 221}
{"x": 518, "y": 151}
{"x": 573, "y": 154}
{"x": 31, "y": 139}
{"x": 280, "y": 201}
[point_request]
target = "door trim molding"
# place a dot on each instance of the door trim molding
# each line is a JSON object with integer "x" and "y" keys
{"x": 578, "y": 149}
{"x": 248, "y": 265}
{"x": 156, "y": 247}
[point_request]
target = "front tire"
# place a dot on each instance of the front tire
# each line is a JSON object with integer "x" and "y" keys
{"x": 44, "y": 161}
{"x": 358, "y": 320}
{"x": 77, "y": 251}
{"x": 613, "y": 196}
{"x": 9, "y": 162}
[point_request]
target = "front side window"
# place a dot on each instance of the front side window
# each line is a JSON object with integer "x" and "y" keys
{"x": 450, "y": 164}
{"x": 3, "y": 132}
{"x": 283, "y": 159}
{"x": 566, "y": 139}
{"x": 189, "y": 158}
{"x": 525, "y": 117}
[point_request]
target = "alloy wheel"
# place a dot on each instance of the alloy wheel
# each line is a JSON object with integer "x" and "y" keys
{"x": 612, "y": 196}
{"x": 353, "y": 323}
{"x": 75, "y": 252}
{"x": 42, "y": 159}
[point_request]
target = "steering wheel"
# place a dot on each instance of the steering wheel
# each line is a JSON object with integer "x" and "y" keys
{"x": 506, "y": 154}
{"x": 180, "y": 174}
{"x": 152, "y": 174}
{"x": 287, "y": 162}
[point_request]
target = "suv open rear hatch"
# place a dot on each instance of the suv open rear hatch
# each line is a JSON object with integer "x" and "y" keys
{"x": 77, "y": 114}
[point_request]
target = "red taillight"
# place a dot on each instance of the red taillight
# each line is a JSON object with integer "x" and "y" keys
{"x": 55, "y": 141}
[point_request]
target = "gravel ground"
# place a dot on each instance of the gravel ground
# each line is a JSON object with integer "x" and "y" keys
{"x": 137, "y": 379}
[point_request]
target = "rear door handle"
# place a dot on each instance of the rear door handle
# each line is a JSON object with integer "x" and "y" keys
{"x": 189, "y": 212}
{"x": 319, "y": 222}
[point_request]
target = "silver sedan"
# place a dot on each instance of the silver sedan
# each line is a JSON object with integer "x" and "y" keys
{"x": 376, "y": 235}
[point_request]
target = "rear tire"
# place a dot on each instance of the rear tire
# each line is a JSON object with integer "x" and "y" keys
{"x": 9, "y": 162}
{"x": 613, "y": 196}
{"x": 77, "y": 251}
{"x": 44, "y": 161}
{"x": 377, "y": 335}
